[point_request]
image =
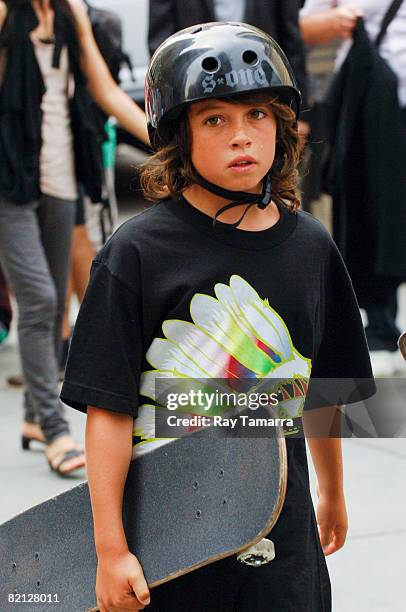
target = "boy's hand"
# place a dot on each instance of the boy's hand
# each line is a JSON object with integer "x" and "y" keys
{"x": 332, "y": 521}
{"x": 120, "y": 583}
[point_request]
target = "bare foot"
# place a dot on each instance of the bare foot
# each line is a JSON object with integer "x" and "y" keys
{"x": 65, "y": 446}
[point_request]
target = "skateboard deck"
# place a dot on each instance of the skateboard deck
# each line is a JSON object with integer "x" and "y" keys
{"x": 186, "y": 504}
{"x": 402, "y": 344}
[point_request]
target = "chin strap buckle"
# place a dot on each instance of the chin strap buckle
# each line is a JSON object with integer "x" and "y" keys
{"x": 238, "y": 197}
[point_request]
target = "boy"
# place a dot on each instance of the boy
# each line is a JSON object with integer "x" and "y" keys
{"x": 177, "y": 292}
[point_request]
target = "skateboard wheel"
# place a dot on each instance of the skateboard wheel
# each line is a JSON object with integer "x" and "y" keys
{"x": 259, "y": 554}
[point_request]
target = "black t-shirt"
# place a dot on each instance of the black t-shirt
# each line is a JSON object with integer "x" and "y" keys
{"x": 171, "y": 295}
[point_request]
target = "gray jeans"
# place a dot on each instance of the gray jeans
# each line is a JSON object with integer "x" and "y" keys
{"x": 35, "y": 242}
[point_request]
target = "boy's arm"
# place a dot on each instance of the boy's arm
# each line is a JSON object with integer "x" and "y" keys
{"x": 120, "y": 579}
{"x": 326, "y": 454}
{"x": 108, "y": 456}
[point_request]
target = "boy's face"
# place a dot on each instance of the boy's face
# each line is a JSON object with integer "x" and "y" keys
{"x": 233, "y": 144}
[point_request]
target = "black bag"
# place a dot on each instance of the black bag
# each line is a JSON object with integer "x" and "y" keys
{"x": 327, "y": 173}
{"x": 108, "y": 34}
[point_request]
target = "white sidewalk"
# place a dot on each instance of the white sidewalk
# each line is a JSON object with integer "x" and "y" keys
{"x": 368, "y": 573}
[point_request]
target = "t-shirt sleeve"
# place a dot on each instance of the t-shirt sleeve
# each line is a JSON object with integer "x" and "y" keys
{"x": 341, "y": 371}
{"x": 105, "y": 357}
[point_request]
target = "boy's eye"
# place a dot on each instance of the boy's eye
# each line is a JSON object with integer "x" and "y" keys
{"x": 216, "y": 120}
{"x": 256, "y": 113}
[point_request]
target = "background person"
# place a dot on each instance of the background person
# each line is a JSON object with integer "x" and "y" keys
{"x": 82, "y": 254}
{"x": 368, "y": 211}
{"x": 48, "y": 143}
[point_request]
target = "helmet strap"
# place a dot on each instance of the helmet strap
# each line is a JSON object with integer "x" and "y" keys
{"x": 238, "y": 197}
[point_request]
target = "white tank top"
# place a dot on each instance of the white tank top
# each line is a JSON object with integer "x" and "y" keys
{"x": 57, "y": 165}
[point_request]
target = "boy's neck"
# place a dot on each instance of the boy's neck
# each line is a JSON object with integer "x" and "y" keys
{"x": 255, "y": 220}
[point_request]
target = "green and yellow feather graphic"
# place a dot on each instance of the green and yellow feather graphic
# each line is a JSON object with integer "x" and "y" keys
{"x": 232, "y": 336}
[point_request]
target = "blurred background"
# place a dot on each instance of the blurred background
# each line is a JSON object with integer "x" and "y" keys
{"x": 367, "y": 575}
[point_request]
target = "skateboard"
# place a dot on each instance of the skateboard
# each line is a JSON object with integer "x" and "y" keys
{"x": 188, "y": 503}
{"x": 402, "y": 344}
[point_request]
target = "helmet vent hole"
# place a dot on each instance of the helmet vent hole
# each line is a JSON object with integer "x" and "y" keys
{"x": 197, "y": 30}
{"x": 210, "y": 64}
{"x": 250, "y": 57}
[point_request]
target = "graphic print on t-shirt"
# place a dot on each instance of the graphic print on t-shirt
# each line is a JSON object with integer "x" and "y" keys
{"x": 234, "y": 335}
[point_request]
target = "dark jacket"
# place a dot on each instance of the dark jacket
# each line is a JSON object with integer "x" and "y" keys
{"x": 366, "y": 174}
{"x": 279, "y": 18}
{"x": 20, "y": 111}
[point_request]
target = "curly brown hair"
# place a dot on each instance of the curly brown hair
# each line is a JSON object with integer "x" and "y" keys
{"x": 170, "y": 171}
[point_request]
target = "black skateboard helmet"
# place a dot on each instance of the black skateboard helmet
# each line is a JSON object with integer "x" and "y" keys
{"x": 214, "y": 60}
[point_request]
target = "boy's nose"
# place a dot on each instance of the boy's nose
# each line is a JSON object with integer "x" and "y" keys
{"x": 240, "y": 139}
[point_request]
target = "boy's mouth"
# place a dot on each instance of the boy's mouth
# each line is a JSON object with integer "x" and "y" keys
{"x": 243, "y": 163}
